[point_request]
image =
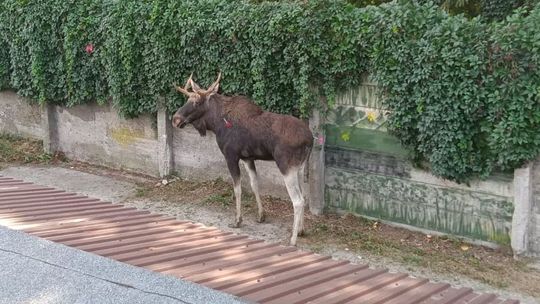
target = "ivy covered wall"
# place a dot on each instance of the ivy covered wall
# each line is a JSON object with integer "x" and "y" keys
{"x": 463, "y": 93}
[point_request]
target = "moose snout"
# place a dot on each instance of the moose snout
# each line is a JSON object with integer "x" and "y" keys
{"x": 178, "y": 121}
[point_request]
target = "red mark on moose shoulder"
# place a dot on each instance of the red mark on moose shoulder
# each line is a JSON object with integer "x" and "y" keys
{"x": 228, "y": 124}
{"x": 89, "y": 48}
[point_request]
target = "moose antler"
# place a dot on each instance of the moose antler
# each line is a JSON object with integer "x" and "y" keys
{"x": 185, "y": 89}
{"x": 195, "y": 86}
{"x": 215, "y": 86}
{"x": 212, "y": 89}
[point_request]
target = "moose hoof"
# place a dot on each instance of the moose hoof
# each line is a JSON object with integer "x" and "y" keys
{"x": 292, "y": 242}
{"x": 261, "y": 218}
{"x": 236, "y": 224}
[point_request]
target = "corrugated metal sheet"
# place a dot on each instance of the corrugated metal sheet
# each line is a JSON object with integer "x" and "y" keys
{"x": 236, "y": 264}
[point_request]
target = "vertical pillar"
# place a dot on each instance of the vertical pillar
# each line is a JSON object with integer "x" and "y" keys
{"x": 164, "y": 128}
{"x": 316, "y": 165}
{"x": 521, "y": 218}
{"x": 48, "y": 126}
{"x": 534, "y": 224}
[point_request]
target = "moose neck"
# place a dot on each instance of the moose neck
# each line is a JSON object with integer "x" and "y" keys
{"x": 213, "y": 118}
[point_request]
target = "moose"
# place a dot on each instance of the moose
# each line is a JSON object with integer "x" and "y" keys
{"x": 244, "y": 132}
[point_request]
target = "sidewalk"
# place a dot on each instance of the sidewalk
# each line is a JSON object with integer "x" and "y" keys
{"x": 34, "y": 270}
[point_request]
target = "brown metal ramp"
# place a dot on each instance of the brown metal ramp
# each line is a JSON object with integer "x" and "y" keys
{"x": 251, "y": 269}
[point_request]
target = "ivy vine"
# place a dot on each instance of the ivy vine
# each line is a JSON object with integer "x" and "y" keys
{"x": 463, "y": 93}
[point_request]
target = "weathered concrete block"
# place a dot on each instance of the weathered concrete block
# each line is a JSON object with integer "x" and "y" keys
{"x": 316, "y": 167}
{"x": 96, "y": 134}
{"x": 49, "y": 128}
{"x": 534, "y": 224}
{"x": 19, "y": 117}
{"x": 316, "y": 186}
{"x": 164, "y": 129}
{"x": 521, "y": 220}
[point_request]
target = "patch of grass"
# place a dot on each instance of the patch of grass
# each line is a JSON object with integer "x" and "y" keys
{"x": 451, "y": 240}
{"x": 215, "y": 193}
{"x": 20, "y": 150}
{"x": 320, "y": 227}
{"x": 413, "y": 259}
{"x": 248, "y": 198}
{"x": 495, "y": 282}
{"x": 224, "y": 200}
{"x": 141, "y": 192}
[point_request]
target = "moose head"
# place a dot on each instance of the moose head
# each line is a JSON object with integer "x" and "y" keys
{"x": 196, "y": 106}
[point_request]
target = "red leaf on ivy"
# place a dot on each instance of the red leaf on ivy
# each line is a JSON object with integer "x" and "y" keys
{"x": 89, "y": 48}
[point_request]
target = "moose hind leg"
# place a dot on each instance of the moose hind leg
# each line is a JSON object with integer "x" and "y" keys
{"x": 234, "y": 169}
{"x": 301, "y": 230}
{"x": 293, "y": 187}
{"x": 254, "y": 180}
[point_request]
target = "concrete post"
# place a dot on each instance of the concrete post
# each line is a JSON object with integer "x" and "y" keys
{"x": 315, "y": 182}
{"x": 534, "y": 228}
{"x": 164, "y": 128}
{"x": 523, "y": 208}
{"x": 48, "y": 125}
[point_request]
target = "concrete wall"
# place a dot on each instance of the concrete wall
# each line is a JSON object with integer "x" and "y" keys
{"x": 389, "y": 188}
{"x": 96, "y": 134}
{"x": 18, "y": 117}
{"x": 534, "y": 230}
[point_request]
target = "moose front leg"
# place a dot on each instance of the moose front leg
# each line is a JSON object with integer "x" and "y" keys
{"x": 234, "y": 169}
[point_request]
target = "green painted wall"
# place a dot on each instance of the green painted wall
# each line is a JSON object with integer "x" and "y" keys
{"x": 365, "y": 140}
{"x": 368, "y": 173}
{"x": 477, "y": 215}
